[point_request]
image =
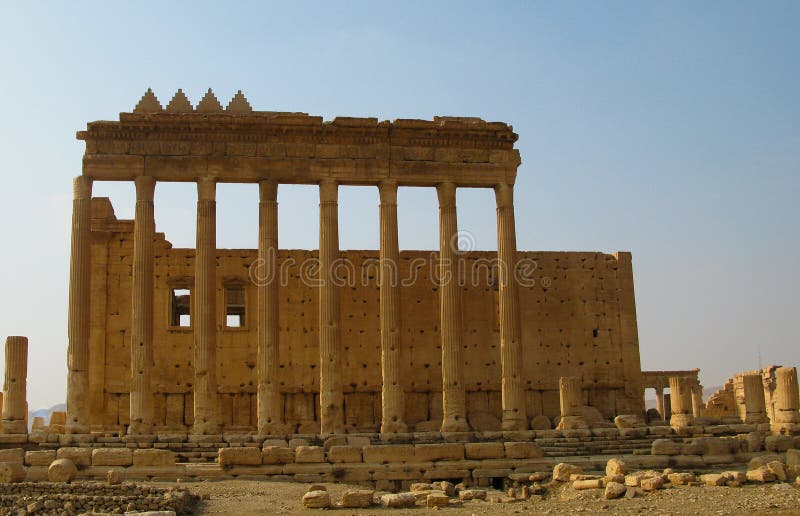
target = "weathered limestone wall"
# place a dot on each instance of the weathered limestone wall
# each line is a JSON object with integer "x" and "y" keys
{"x": 577, "y": 320}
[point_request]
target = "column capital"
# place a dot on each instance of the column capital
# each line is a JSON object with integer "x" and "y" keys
{"x": 82, "y": 187}
{"x": 328, "y": 190}
{"x": 145, "y": 187}
{"x": 268, "y": 190}
{"x": 504, "y": 193}
{"x": 206, "y": 189}
{"x": 447, "y": 194}
{"x": 388, "y": 191}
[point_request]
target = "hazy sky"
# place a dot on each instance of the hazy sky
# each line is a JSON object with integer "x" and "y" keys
{"x": 669, "y": 129}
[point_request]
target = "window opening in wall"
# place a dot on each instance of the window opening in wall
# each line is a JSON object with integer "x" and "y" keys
{"x": 181, "y": 308}
{"x": 234, "y": 307}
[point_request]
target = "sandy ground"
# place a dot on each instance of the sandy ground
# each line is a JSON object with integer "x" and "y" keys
{"x": 250, "y": 497}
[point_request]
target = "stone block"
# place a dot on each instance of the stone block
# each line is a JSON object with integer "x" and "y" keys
{"x": 357, "y": 498}
{"x": 614, "y": 490}
{"x": 277, "y": 455}
{"x": 713, "y": 479}
{"x": 434, "y": 452}
{"x": 563, "y": 471}
{"x": 112, "y": 457}
{"x": 340, "y": 454}
{"x": 80, "y": 457}
{"x": 681, "y": 479}
{"x": 761, "y": 475}
{"x": 388, "y": 453}
{"x": 437, "y": 500}
{"x": 472, "y": 494}
{"x": 306, "y": 454}
{"x": 11, "y": 472}
{"x": 16, "y": 455}
{"x": 665, "y": 447}
{"x": 777, "y": 469}
{"x": 616, "y": 467}
{"x": 239, "y": 457}
{"x": 145, "y": 458}
{"x": 316, "y": 500}
{"x": 484, "y": 450}
{"x": 398, "y": 501}
{"x": 522, "y": 450}
{"x": 793, "y": 457}
{"x": 39, "y": 458}
{"x": 778, "y": 443}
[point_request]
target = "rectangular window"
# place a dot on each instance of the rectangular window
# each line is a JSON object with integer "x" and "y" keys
{"x": 234, "y": 307}
{"x": 181, "y": 308}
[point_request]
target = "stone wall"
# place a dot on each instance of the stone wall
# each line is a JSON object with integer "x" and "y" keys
{"x": 578, "y": 319}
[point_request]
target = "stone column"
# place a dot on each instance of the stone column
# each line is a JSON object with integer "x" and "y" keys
{"x": 660, "y": 402}
{"x": 570, "y": 390}
{"x": 681, "y": 402}
{"x": 206, "y": 404}
{"x": 141, "y": 395}
{"x": 331, "y": 398}
{"x": 15, "y": 406}
{"x": 513, "y": 392}
{"x": 755, "y": 408}
{"x": 698, "y": 410}
{"x": 392, "y": 395}
{"x": 270, "y": 413}
{"x": 787, "y": 402}
{"x": 453, "y": 394}
{"x": 78, "y": 319}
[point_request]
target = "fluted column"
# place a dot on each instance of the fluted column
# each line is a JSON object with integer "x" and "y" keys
{"x": 755, "y": 407}
{"x": 15, "y": 406}
{"x": 570, "y": 390}
{"x": 331, "y": 399}
{"x": 392, "y": 395}
{"x": 787, "y": 402}
{"x": 680, "y": 394}
{"x": 513, "y": 392}
{"x": 141, "y": 395}
{"x": 78, "y": 319}
{"x": 206, "y": 412}
{"x": 453, "y": 392}
{"x": 660, "y": 403}
{"x": 270, "y": 415}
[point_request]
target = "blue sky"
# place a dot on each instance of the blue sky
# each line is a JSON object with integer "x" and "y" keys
{"x": 669, "y": 129}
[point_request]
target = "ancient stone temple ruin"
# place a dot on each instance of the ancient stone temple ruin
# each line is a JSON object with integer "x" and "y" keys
{"x": 381, "y": 367}
{"x": 206, "y": 339}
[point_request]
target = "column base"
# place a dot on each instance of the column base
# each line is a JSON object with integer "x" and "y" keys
{"x": 514, "y": 424}
{"x": 756, "y": 419}
{"x": 14, "y": 426}
{"x": 394, "y": 427}
{"x": 140, "y": 429}
{"x": 572, "y": 423}
{"x": 454, "y": 425}
{"x": 76, "y": 428}
{"x": 681, "y": 420}
{"x": 275, "y": 429}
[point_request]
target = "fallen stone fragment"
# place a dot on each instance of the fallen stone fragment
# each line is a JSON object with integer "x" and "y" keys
{"x": 448, "y": 487}
{"x": 437, "y": 500}
{"x": 472, "y": 494}
{"x": 651, "y": 483}
{"x": 620, "y": 479}
{"x": 681, "y": 479}
{"x": 538, "y": 476}
{"x": 777, "y": 469}
{"x": 62, "y": 470}
{"x": 398, "y": 500}
{"x": 614, "y": 490}
{"x": 420, "y": 486}
{"x": 563, "y": 471}
{"x": 616, "y": 467}
{"x": 316, "y": 500}
{"x": 762, "y": 474}
{"x": 357, "y": 498}
{"x": 113, "y": 477}
{"x": 713, "y": 479}
{"x": 595, "y": 483}
{"x": 735, "y": 476}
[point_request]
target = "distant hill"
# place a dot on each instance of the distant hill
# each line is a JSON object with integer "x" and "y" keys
{"x": 45, "y": 413}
